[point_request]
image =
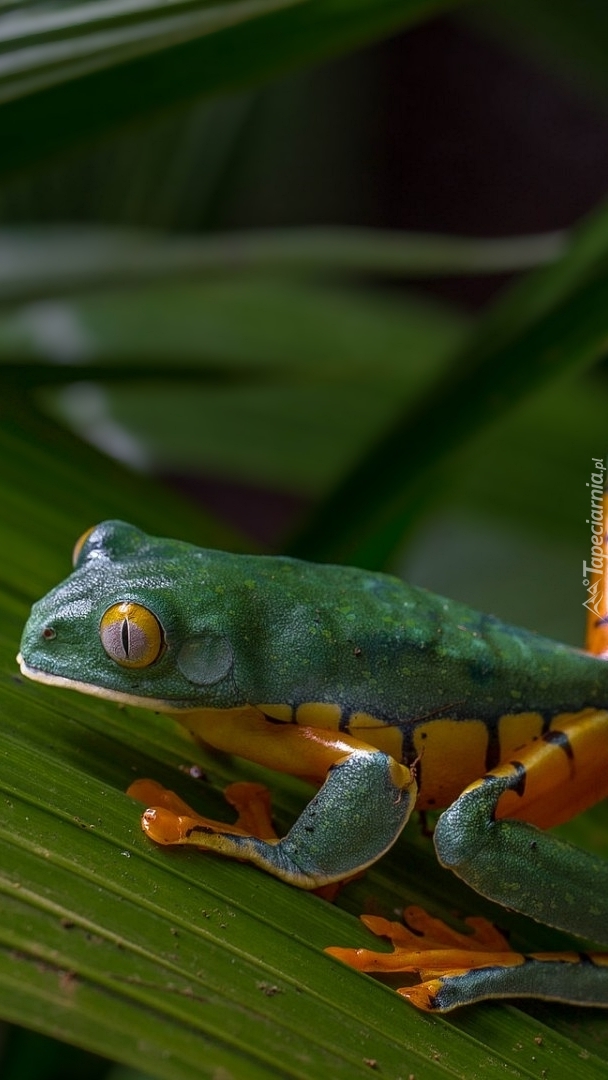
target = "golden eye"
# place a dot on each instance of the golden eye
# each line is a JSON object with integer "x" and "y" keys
{"x": 131, "y": 635}
{"x": 78, "y": 546}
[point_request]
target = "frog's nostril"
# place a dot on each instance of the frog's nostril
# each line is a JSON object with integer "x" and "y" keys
{"x": 49, "y": 633}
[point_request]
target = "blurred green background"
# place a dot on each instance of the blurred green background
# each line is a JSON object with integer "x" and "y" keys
{"x": 325, "y": 278}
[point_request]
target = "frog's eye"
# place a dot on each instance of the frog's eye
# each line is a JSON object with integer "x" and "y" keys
{"x": 131, "y": 635}
{"x": 78, "y": 546}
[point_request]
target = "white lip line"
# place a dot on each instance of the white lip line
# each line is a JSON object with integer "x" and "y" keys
{"x": 157, "y": 705}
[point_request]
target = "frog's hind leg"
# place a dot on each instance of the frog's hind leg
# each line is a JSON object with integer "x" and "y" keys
{"x": 495, "y": 824}
{"x": 457, "y": 969}
{"x": 491, "y": 838}
{"x": 486, "y": 838}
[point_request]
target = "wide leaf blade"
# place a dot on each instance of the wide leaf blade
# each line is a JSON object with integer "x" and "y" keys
{"x": 553, "y": 321}
{"x": 182, "y": 965}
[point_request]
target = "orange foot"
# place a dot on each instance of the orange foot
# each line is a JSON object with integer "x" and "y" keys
{"x": 169, "y": 820}
{"x": 432, "y": 949}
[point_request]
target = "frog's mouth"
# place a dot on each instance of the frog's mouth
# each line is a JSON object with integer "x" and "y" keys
{"x": 37, "y": 675}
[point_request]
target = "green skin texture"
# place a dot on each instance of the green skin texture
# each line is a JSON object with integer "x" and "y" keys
{"x": 282, "y": 630}
{"x": 248, "y": 630}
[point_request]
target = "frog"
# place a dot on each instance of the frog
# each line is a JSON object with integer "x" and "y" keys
{"x": 386, "y": 698}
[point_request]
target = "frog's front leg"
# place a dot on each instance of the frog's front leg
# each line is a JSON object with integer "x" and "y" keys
{"x": 363, "y": 803}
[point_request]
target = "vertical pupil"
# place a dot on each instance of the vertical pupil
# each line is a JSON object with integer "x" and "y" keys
{"x": 124, "y": 636}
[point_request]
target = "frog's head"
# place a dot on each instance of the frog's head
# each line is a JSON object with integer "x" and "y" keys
{"x": 140, "y": 620}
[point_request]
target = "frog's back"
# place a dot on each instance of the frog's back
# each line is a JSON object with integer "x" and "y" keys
{"x": 373, "y": 642}
{"x": 417, "y": 675}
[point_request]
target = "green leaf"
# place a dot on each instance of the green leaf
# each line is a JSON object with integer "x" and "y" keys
{"x": 293, "y": 378}
{"x": 553, "y": 321}
{"x": 174, "y": 963}
{"x": 85, "y": 68}
{"x": 52, "y": 261}
{"x": 559, "y": 33}
{"x": 180, "y": 964}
